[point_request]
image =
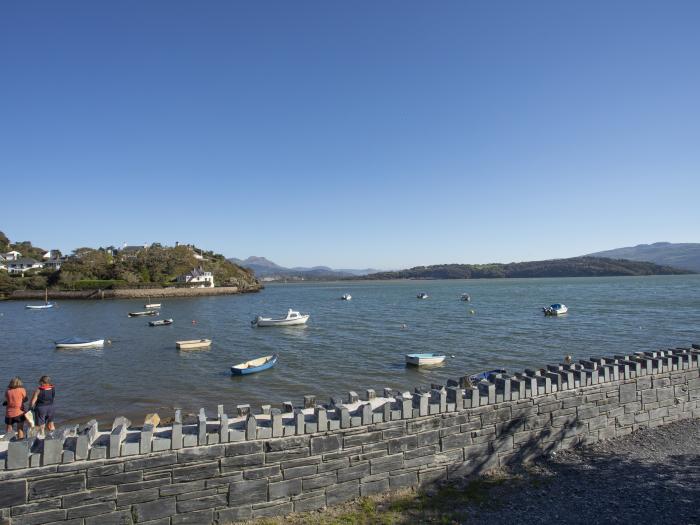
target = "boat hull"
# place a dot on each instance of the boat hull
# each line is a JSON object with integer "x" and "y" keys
{"x": 38, "y": 307}
{"x": 160, "y": 322}
{"x": 282, "y": 322}
{"x": 424, "y": 359}
{"x": 98, "y": 343}
{"x": 193, "y": 343}
{"x": 143, "y": 314}
{"x": 245, "y": 368}
{"x": 152, "y": 305}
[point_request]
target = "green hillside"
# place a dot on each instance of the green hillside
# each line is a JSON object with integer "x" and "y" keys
{"x": 573, "y": 267}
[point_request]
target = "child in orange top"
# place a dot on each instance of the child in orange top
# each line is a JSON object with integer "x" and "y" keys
{"x": 15, "y": 396}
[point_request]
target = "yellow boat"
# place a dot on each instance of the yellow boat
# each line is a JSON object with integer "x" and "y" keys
{"x": 193, "y": 343}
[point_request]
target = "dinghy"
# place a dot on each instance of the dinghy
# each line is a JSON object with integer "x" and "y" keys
{"x": 142, "y": 314}
{"x": 465, "y": 297}
{"x": 160, "y": 322}
{"x": 254, "y": 365}
{"x": 79, "y": 342}
{"x": 424, "y": 359}
{"x": 292, "y": 318}
{"x": 346, "y": 297}
{"x": 422, "y": 295}
{"x": 485, "y": 375}
{"x": 193, "y": 343}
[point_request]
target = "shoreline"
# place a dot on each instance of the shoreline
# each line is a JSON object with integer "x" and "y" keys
{"x": 134, "y": 293}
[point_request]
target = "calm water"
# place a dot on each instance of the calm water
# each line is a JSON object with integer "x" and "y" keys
{"x": 346, "y": 345}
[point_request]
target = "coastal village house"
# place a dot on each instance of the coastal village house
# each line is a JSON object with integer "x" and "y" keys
{"x": 12, "y": 256}
{"x": 22, "y": 265}
{"x": 198, "y": 278}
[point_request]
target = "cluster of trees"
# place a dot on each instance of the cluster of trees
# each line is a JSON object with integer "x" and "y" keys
{"x": 101, "y": 268}
{"x": 573, "y": 267}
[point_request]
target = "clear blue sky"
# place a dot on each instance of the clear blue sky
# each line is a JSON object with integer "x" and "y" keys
{"x": 352, "y": 134}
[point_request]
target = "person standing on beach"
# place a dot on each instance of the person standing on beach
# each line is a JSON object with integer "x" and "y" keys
{"x": 15, "y": 397}
{"x": 42, "y": 403}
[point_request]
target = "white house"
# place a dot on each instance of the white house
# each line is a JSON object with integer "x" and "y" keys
{"x": 22, "y": 265}
{"x": 198, "y": 278}
{"x": 12, "y": 256}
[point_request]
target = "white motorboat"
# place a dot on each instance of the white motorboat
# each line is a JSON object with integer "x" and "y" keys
{"x": 424, "y": 359}
{"x": 79, "y": 342}
{"x": 555, "y": 309}
{"x": 422, "y": 295}
{"x": 346, "y": 297}
{"x": 293, "y": 318}
{"x": 152, "y": 305}
{"x": 465, "y": 297}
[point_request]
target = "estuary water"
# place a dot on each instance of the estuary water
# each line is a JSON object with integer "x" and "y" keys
{"x": 347, "y": 345}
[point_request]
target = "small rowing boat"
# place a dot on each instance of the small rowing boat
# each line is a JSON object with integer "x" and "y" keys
{"x": 143, "y": 314}
{"x": 485, "y": 375}
{"x": 193, "y": 343}
{"x": 254, "y": 365}
{"x": 424, "y": 359}
{"x": 79, "y": 342}
{"x": 160, "y": 322}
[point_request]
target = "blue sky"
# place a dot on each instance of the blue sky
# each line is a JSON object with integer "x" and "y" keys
{"x": 382, "y": 134}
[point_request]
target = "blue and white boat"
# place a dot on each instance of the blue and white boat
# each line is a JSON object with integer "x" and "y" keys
{"x": 254, "y": 365}
{"x": 79, "y": 342}
{"x": 555, "y": 309}
{"x": 485, "y": 375}
{"x": 424, "y": 359}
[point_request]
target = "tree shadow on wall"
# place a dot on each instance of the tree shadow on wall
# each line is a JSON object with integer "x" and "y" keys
{"x": 569, "y": 486}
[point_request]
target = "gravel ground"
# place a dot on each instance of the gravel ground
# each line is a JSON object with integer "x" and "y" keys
{"x": 650, "y": 476}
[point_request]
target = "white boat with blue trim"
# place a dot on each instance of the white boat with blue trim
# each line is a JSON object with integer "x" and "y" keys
{"x": 424, "y": 359}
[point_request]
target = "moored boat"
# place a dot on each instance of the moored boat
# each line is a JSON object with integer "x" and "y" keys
{"x": 143, "y": 314}
{"x": 555, "y": 309}
{"x": 465, "y": 297}
{"x": 485, "y": 375}
{"x": 79, "y": 342}
{"x": 160, "y": 322}
{"x": 422, "y": 295}
{"x": 44, "y": 306}
{"x": 193, "y": 343}
{"x": 424, "y": 359}
{"x": 152, "y": 305}
{"x": 291, "y": 319}
{"x": 346, "y": 297}
{"x": 254, "y": 365}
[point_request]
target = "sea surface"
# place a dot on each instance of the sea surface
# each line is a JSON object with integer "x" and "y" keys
{"x": 347, "y": 345}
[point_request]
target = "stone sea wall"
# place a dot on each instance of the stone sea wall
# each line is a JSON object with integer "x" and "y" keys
{"x": 222, "y": 468}
{"x": 145, "y": 293}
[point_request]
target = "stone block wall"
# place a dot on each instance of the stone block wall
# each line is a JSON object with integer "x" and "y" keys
{"x": 221, "y": 469}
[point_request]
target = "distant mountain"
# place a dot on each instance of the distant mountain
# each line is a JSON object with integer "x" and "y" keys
{"x": 679, "y": 255}
{"x": 573, "y": 267}
{"x": 268, "y": 270}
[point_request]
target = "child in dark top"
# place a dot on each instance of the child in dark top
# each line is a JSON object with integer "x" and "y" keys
{"x": 15, "y": 397}
{"x": 42, "y": 403}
